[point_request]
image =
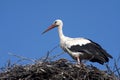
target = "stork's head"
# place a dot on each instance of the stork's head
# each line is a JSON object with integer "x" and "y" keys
{"x": 56, "y": 23}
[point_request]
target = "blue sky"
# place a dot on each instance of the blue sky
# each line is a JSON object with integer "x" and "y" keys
{"x": 23, "y": 21}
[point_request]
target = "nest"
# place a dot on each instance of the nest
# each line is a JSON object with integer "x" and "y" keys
{"x": 55, "y": 70}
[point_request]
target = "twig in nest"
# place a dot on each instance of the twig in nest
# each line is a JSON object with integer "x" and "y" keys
{"x": 57, "y": 55}
{"x": 47, "y": 56}
{"x": 48, "y": 53}
{"x": 116, "y": 67}
{"x": 108, "y": 68}
{"x": 21, "y": 57}
{"x": 53, "y": 48}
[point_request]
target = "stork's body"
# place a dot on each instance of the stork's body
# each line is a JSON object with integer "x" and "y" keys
{"x": 80, "y": 48}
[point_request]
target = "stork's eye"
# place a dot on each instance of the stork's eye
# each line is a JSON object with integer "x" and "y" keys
{"x": 55, "y": 22}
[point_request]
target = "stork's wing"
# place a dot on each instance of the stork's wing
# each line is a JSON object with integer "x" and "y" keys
{"x": 100, "y": 55}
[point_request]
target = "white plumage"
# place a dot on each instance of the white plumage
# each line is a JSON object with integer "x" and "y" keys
{"x": 80, "y": 48}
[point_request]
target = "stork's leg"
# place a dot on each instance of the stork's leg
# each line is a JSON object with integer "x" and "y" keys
{"x": 78, "y": 60}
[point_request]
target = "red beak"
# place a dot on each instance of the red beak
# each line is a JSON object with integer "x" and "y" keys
{"x": 49, "y": 28}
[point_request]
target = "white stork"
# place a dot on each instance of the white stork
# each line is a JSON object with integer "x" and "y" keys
{"x": 80, "y": 48}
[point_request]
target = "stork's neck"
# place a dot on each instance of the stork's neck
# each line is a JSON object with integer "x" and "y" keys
{"x": 60, "y": 31}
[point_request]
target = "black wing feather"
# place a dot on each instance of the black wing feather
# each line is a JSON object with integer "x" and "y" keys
{"x": 92, "y": 48}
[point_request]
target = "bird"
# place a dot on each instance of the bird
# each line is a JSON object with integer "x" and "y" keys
{"x": 80, "y": 48}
